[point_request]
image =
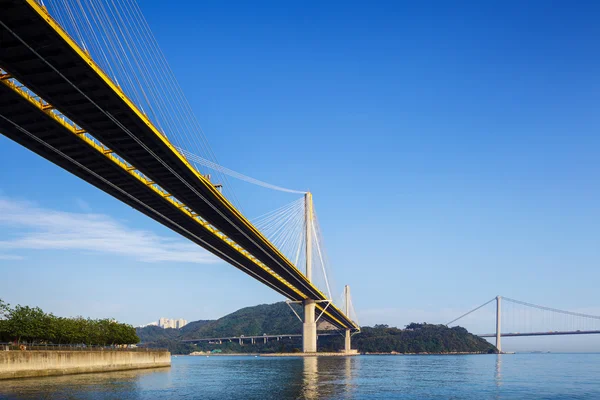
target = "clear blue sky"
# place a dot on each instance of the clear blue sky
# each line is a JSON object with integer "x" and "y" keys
{"x": 452, "y": 150}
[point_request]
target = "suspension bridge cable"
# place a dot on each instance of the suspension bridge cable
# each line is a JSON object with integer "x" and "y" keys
{"x": 552, "y": 309}
{"x": 473, "y": 310}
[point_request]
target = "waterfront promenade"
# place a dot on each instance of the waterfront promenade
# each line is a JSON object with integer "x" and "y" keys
{"x": 38, "y": 363}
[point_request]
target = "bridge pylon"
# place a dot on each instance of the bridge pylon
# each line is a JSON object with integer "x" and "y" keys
{"x": 309, "y": 325}
{"x": 347, "y": 340}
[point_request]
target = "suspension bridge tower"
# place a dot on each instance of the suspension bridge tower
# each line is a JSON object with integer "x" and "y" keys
{"x": 498, "y": 327}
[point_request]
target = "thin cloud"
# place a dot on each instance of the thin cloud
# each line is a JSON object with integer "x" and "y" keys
{"x": 36, "y": 228}
{"x": 83, "y": 205}
{"x": 10, "y": 257}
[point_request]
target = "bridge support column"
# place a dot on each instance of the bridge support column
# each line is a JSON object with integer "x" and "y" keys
{"x": 265, "y": 340}
{"x": 347, "y": 342}
{"x": 309, "y": 328}
{"x": 240, "y": 341}
{"x": 498, "y": 327}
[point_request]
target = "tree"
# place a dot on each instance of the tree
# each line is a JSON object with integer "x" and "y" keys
{"x": 4, "y": 309}
{"x": 26, "y": 323}
{"x": 29, "y": 324}
{"x": 4, "y": 314}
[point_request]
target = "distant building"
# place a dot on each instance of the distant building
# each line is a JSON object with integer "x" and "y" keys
{"x": 172, "y": 323}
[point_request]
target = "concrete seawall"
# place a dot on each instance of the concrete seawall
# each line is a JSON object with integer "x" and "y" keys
{"x": 24, "y": 364}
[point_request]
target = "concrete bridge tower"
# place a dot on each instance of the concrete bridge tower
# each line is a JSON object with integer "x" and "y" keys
{"x": 309, "y": 326}
{"x": 347, "y": 343}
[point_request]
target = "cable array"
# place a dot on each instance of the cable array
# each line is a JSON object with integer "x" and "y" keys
{"x": 118, "y": 38}
{"x": 519, "y": 317}
{"x": 350, "y": 311}
{"x": 286, "y": 228}
{"x": 323, "y": 275}
{"x": 129, "y": 133}
{"x": 115, "y": 34}
{"x": 197, "y": 160}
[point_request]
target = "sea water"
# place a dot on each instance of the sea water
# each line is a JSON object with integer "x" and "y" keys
{"x": 508, "y": 376}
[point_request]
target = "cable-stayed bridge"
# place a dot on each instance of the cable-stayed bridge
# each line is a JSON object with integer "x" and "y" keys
{"x": 516, "y": 318}
{"x": 85, "y": 85}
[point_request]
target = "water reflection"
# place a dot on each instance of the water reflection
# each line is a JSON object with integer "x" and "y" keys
{"x": 327, "y": 377}
{"x": 474, "y": 377}
{"x": 498, "y": 371}
{"x": 310, "y": 378}
{"x": 348, "y": 375}
{"x": 107, "y": 385}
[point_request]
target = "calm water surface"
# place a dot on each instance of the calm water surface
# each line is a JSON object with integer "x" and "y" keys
{"x": 518, "y": 376}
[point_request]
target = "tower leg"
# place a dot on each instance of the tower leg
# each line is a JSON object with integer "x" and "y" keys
{"x": 309, "y": 328}
{"x": 347, "y": 343}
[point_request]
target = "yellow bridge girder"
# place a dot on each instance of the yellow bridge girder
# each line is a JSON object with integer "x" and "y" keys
{"x": 89, "y": 140}
{"x": 93, "y": 143}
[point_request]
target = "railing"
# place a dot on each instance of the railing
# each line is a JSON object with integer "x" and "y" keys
{"x": 71, "y": 347}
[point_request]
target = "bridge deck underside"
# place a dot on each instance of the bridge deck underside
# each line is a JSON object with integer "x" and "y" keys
{"x": 93, "y": 167}
{"x": 37, "y": 55}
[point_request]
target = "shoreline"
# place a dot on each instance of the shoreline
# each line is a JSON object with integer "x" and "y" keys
{"x": 330, "y": 354}
{"x": 218, "y": 354}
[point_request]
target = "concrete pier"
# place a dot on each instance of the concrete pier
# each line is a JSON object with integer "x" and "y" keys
{"x": 25, "y": 364}
{"x": 309, "y": 328}
{"x": 348, "y": 337}
{"x": 347, "y": 342}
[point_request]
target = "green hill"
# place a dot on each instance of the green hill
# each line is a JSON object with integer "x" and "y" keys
{"x": 265, "y": 318}
{"x": 279, "y": 319}
{"x": 420, "y": 338}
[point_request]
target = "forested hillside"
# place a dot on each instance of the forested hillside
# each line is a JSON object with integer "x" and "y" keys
{"x": 279, "y": 319}
{"x": 265, "y": 318}
{"x": 420, "y": 338}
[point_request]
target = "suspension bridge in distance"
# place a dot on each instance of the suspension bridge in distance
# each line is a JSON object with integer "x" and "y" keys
{"x": 527, "y": 319}
{"x": 89, "y": 90}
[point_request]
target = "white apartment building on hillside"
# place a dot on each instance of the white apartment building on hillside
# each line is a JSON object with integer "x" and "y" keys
{"x": 172, "y": 323}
